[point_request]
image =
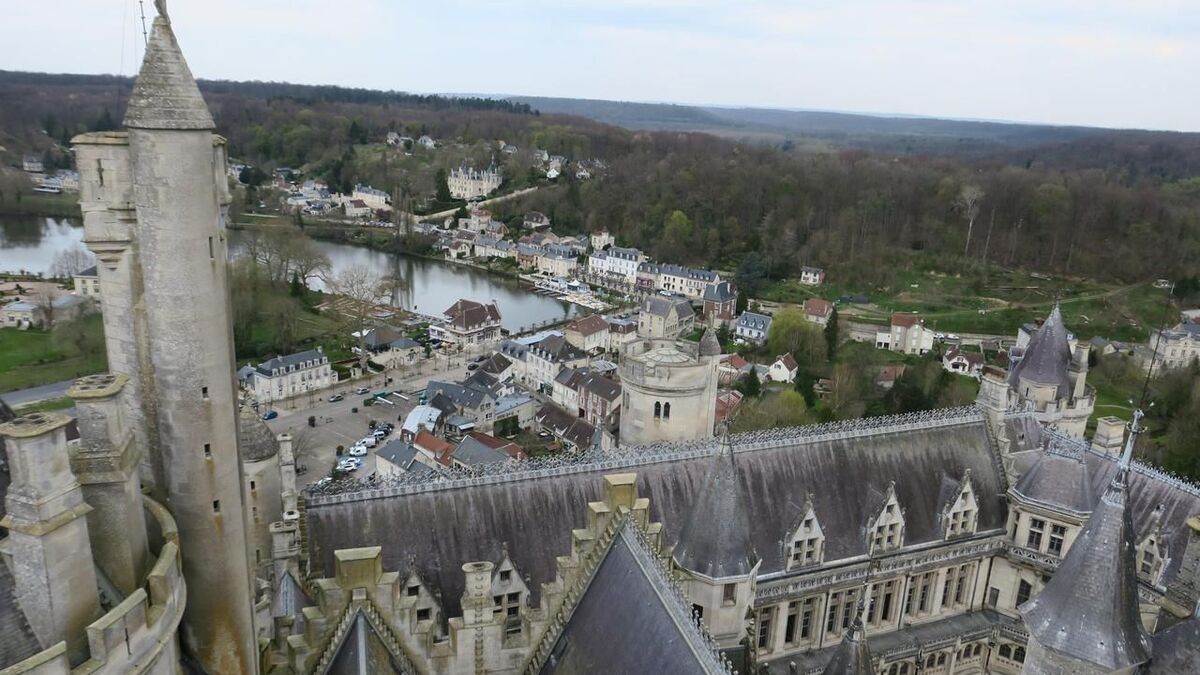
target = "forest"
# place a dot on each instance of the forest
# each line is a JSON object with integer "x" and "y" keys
{"x": 762, "y": 209}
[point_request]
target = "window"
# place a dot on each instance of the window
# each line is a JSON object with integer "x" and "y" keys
{"x": 204, "y": 393}
{"x": 657, "y": 410}
{"x": 254, "y": 513}
{"x": 729, "y": 594}
{"x": 216, "y": 506}
{"x": 505, "y": 576}
{"x": 413, "y": 591}
{"x": 961, "y": 585}
{"x": 1147, "y": 565}
{"x": 1019, "y": 655}
{"x": 1006, "y": 652}
{"x": 1057, "y": 534}
{"x": 211, "y": 254}
{"x": 1024, "y": 590}
{"x": 993, "y": 597}
{"x": 1036, "y": 527}
{"x": 423, "y": 614}
{"x": 764, "y": 627}
{"x": 252, "y": 486}
{"x": 666, "y": 411}
{"x": 208, "y": 451}
{"x": 698, "y": 611}
{"x": 789, "y": 625}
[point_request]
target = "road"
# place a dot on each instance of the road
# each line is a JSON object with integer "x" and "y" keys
{"x": 21, "y": 397}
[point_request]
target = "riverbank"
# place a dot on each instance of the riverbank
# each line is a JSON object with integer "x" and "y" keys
{"x": 63, "y": 205}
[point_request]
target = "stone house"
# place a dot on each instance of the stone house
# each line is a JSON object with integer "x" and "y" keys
{"x": 470, "y": 183}
{"x": 547, "y": 357}
{"x": 602, "y": 240}
{"x": 907, "y": 334}
{"x": 689, "y": 282}
{"x": 619, "y": 265}
{"x": 296, "y": 374}
{"x": 468, "y": 324}
{"x": 1177, "y": 347}
{"x": 663, "y": 317}
{"x": 720, "y": 304}
{"x": 620, "y": 332}
{"x": 589, "y": 333}
{"x": 399, "y": 457}
{"x": 87, "y": 283}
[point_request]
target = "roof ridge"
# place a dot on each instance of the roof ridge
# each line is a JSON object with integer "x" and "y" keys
{"x": 631, "y": 456}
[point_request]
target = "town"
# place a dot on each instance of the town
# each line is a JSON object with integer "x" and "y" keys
{"x": 433, "y": 401}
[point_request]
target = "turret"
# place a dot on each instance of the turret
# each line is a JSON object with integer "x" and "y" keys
{"x": 153, "y": 202}
{"x": 1085, "y": 621}
{"x": 852, "y": 656}
{"x": 47, "y": 544}
{"x": 105, "y": 462}
{"x": 715, "y": 553}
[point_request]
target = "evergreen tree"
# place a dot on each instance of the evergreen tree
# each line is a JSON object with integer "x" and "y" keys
{"x": 442, "y": 186}
{"x": 297, "y": 288}
{"x": 831, "y": 335}
{"x": 750, "y": 385}
{"x": 804, "y": 384}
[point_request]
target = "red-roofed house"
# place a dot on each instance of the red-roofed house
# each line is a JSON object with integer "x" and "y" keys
{"x": 728, "y": 401}
{"x": 818, "y": 311}
{"x": 731, "y": 368}
{"x": 964, "y": 363}
{"x": 784, "y": 368}
{"x": 433, "y": 451}
{"x": 907, "y": 335}
{"x": 589, "y": 333}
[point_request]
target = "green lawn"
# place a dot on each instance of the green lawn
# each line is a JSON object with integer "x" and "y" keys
{"x": 31, "y": 358}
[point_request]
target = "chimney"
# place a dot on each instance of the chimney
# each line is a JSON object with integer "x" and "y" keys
{"x": 1110, "y": 435}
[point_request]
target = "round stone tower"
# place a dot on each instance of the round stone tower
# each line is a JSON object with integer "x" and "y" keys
{"x": 670, "y": 391}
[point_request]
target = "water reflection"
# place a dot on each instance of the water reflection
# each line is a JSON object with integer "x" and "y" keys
{"x": 29, "y": 244}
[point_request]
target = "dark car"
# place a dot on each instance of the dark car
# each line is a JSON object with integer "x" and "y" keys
{"x": 270, "y": 415}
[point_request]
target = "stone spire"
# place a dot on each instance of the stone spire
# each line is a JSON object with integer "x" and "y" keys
{"x": 715, "y": 541}
{"x": 1086, "y": 619}
{"x": 709, "y": 344}
{"x": 165, "y": 95}
{"x": 853, "y": 657}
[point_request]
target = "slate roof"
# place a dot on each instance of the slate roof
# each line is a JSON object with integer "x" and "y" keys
{"x": 535, "y": 513}
{"x": 598, "y": 385}
{"x": 709, "y": 344}
{"x": 468, "y": 314}
{"x": 403, "y": 455}
{"x": 165, "y": 95}
{"x": 715, "y": 541}
{"x": 565, "y": 425}
{"x": 555, "y": 348}
{"x": 1177, "y": 650}
{"x": 589, "y": 325}
{"x": 760, "y": 322}
{"x": 284, "y": 362}
{"x": 1046, "y": 357}
{"x": 655, "y": 633}
{"x": 659, "y": 305}
{"x": 1089, "y": 609}
{"x": 720, "y": 292}
{"x": 1060, "y": 482}
{"x": 495, "y": 364}
{"x": 89, "y": 272}
{"x": 289, "y": 599}
{"x": 256, "y": 442}
{"x": 471, "y": 451}
{"x": 852, "y": 656}
{"x": 363, "y": 652}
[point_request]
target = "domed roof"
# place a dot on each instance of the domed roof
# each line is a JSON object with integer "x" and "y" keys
{"x": 665, "y": 355}
{"x": 255, "y": 440}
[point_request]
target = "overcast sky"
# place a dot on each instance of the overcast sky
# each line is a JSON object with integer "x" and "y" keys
{"x": 1097, "y": 62}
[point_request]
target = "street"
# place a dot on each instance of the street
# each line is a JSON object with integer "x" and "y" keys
{"x": 16, "y": 399}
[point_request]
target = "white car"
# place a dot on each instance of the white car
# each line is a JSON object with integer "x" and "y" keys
{"x": 358, "y": 451}
{"x": 348, "y": 464}
{"x": 951, "y": 336}
{"x": 362, "y": 390}
{"x": 368, "y": 441}
{"x": 939, "y": 336}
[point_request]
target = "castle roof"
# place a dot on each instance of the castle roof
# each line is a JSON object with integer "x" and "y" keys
{"x": 255, "y": 440}
{"x": 1046, "y": 357}
{"x": 165, "y": 95}
{"x": 535, "y": 507}
{"x": 853, "y": 656}
{"x": 1089, "y": 609}
{"x": 1058, "y": 481}
{"x": 715, "y": 541}
{"x": 709, "y": 344}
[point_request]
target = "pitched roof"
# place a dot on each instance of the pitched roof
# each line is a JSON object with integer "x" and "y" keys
{"x": 598, "y": 385}
{"x": 468, "y": 314}
{"x": 754, "y": 321}
{"x": 535, "y": 513}
{"x": 787, "y": 361}
{"x": 566, "y": 426}
{"x": 905, "y": 320}
{"x": 495, "y": 364}
{"x": 818, "y": 307}
{"x": 972, "y": 358}
{"x": 720, "y": 292}
{"x": 663, "y": 306}
{"x": 556, "y": 348}
{"x": 165, "y": 95}
{"x": 1046, "y": 357}
{"x": 631, "y": 584}
{"x": 1058, "y": 481}
{"x": 297, "y": 359}
{"x": 441, "y": 449}
{"x": 1177, "y": 649}
{"x": 471, "y": 451}
{"x": 17, "y": 640}
{"x": 362, "y": 651}
{"x": 715, "y": 539}
{"x": 589, "y": 325}
{"x": 1089, "y": 609}
{"x": 709, "y": 344}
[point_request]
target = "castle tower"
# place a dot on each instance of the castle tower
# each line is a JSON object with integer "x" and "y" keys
{"x": 1051, "y": 379}
{"x": 153, "y": 201}
{"x": 105, "y": 463}
{"x": 715, "y": 553}
{"x": 1085, "y": 621}
{"x": 670, "y": 390}
{"x": 47, "y": 545}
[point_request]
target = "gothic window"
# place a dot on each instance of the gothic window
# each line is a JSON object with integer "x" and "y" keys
{"x": 806, "y": 546}
{"x": 657, "y": 410}
{"x": 887, "y": 528}
{"x": 1024, "y": 590}
{"x": 666, "y": 411}
{"x": 840, "y": 613}
{"x": 765, "y": 617}
{"x": 1037, "y": 528}
{"x": 1058, "y": 534}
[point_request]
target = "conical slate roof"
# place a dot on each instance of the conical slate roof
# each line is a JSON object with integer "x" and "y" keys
{"x": 165, "y": 95}
{"x": 1089, "y": 610}
{"x": 255, "y": 440}
{"x": 1047, "y": 357}
{"x": 715, "y": 541}
{"x": 709, "y": 345}
{"x": 852, "y": 656}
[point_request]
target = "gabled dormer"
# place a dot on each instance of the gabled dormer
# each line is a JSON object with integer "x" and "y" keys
{"x": 509, "y": 591}
{"x": 960, "y": 509}
{"x": 885, "y": 530}
{"x": 1151, "y": 551}
{"x": 420, "y": 603}
{"x": 805, "y": 545}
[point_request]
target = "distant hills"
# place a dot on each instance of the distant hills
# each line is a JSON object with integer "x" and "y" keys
{"x": 898, "y": 134}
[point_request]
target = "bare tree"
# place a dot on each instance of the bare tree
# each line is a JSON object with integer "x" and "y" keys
{"x": 362, "y": 290}
{"x": 968, "y": 202}
{"x": 71, "y": 261}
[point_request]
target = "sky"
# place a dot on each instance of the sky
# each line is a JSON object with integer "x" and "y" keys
{"x": 1110, "y": 63}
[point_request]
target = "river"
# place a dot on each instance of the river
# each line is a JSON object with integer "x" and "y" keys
{"x": 30, "y": 244}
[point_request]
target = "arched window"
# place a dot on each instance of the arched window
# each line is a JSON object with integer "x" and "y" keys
{"x": 1019, "y": 655}
{"x": 657, "y": 410}
{"x": 666, "y": 411}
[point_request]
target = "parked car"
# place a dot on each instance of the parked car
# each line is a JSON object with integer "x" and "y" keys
{"x": 380, "y": 433}
{"x": 362, "y": 390}
{"x": 939, "y": 336}
{"x": 358, "y": 451}
{"x": 368, "y": 441}
{"x": 951, "y": 336}
{"x": 336, "y": 397}
{"x": 472, "y": 366}
{"x": 479, "y": 359}
{"x": 270, "y": 415}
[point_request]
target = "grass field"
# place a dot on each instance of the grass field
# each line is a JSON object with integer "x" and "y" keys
{"x": 31, "y": 358}
{"x": 999, "y": 305}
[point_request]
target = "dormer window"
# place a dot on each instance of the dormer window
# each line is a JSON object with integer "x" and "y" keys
{"x": 806, "y": 545}
{"x": 960, "y": 514}
{"x": 1151, "y": 557}
{"x": 886, "y": 530}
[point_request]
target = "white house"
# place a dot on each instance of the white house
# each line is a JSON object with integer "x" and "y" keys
{"x": 469, "y": 183}
{"x": 907, "y": 335}
{"x": 783, "y": 369}
{"x": 589, "y": 333}
{"x": 818, "y": 311}
{"x": 964, "y": 363}
{"x": 753, "y": 327}
{"x": 292, "y": 375}
{"x": 87, "y": 283}
{"x": 468, "y": 323}
{"x": 426, "y": 142}
{"x": 686, "y": 281}
{"x": 812, "y": 276}
{"x": 602, "y": 240}
{"x": 374, "y": 199}
{"x": 356, "y": 208}
{"x": 619, "y": 264}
